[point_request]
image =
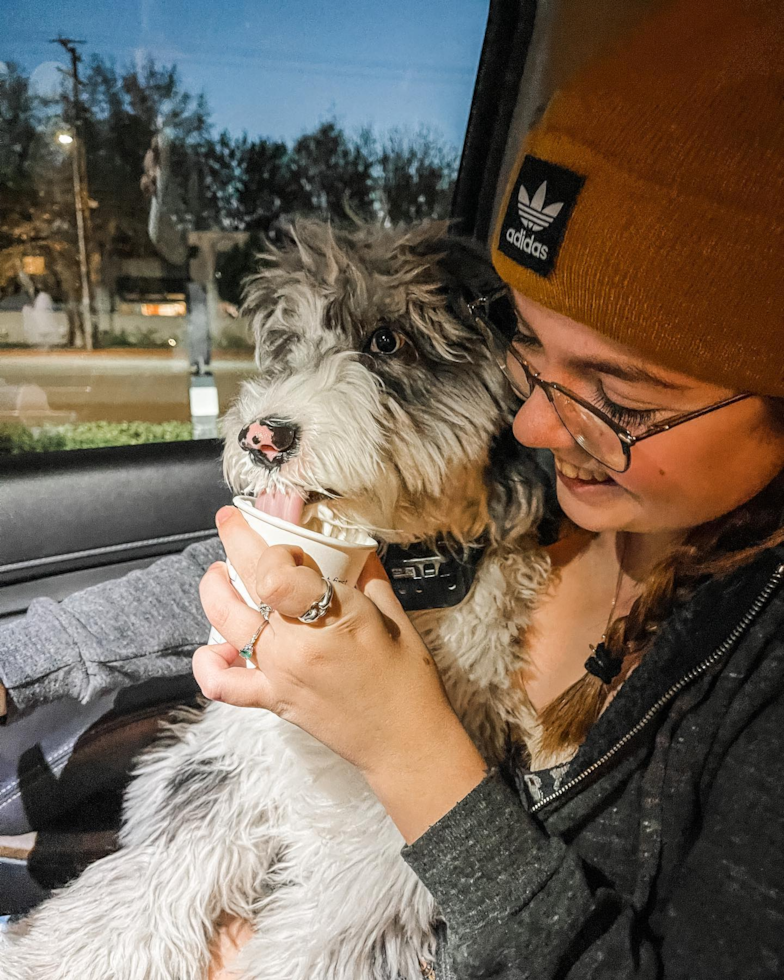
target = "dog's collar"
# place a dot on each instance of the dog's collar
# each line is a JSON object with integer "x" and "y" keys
{"x": 431, "y": 578}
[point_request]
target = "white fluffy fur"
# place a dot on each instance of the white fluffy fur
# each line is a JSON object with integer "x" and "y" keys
{"x": 238, "y": 812}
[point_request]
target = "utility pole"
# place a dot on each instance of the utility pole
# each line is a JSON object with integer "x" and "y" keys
{"x": 81, "y": 199}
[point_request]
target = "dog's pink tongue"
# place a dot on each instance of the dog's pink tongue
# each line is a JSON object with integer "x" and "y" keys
{"x": 286, "y": 506}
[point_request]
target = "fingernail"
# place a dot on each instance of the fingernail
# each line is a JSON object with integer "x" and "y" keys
{"x": 223, "y": 515}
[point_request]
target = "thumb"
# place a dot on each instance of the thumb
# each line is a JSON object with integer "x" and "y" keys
{"x": 374, "y": 583}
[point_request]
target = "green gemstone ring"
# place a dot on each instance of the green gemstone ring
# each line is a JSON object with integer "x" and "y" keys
{"x": 247, "y": 650}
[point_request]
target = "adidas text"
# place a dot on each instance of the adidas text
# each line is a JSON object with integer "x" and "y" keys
{"x": 526, "y": 243}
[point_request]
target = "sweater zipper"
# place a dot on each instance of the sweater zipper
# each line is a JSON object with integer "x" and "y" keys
{"x": 676, "y": 688}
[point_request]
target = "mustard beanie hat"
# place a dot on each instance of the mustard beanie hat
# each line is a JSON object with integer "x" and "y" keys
{"x": 649, "y": 201}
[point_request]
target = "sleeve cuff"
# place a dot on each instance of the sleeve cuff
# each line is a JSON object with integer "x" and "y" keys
{"x": 485, "y": 859}
{"x": 38, "y": 653}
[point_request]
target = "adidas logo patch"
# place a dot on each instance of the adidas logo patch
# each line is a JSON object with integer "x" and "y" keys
{"x": 533, "y": 227}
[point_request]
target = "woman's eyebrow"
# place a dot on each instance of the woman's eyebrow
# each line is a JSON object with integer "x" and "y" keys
{"x": 626, "y": 372}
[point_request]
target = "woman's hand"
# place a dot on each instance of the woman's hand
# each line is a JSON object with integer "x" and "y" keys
{"x": 360, "y": 679}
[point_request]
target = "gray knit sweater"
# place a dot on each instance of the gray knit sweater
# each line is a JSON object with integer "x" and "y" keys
{"x": 663, "y": 854}
{"x": 661, "y": 857}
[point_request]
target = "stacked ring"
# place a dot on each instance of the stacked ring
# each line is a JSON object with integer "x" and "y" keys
{"x": 320, "y": 607}
{"x": 313, "y": 613}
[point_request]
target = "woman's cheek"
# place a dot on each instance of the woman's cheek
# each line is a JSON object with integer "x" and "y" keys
{"x": 677, "y": 485}
{"x": 649, "y": 474}
{"x": 660, "y": 490}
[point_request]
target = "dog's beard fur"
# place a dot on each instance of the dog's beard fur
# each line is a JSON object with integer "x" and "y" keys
{"x": 240, "y": 812}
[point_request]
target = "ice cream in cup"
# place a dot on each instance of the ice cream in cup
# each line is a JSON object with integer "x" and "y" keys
{"x": 340, "y": 553}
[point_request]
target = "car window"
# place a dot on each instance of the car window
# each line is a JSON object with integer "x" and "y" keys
{"x": 146, "y": 150}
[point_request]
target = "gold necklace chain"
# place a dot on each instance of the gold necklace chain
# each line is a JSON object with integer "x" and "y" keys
{"x": 617, "y": 591}
{"x": 601, "y": 664}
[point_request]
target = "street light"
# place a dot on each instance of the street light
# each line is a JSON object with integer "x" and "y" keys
{"x": 76, "y": 137}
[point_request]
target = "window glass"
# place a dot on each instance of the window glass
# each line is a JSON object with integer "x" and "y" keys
{"x": 145, "y": 150}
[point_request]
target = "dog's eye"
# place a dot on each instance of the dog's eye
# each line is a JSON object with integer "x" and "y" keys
{"x": 386, "y": 341}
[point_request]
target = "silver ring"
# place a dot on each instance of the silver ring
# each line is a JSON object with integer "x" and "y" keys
{"x": 265, "y": 610}
{"x": 320, "y": 607}
{"x": 247, "y": 650}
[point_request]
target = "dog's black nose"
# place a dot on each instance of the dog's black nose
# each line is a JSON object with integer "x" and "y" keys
{"x": 266, "y": 439}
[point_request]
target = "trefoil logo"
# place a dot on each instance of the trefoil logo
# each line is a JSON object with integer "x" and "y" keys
{"x": 532, "y": 213}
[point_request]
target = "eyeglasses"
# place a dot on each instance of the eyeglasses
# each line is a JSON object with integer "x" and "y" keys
{"x": 600, "y": 436}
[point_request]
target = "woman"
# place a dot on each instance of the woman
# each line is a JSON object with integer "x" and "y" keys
{"x": 641, "y": 238}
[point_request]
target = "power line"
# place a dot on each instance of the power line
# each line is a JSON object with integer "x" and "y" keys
{"x": 81, "y": 196}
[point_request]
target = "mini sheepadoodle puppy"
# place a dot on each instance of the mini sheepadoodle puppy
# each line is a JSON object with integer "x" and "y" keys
{"x": 383, "y": 405}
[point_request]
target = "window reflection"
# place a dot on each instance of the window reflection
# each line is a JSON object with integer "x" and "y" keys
{"x": 131, "y": 208}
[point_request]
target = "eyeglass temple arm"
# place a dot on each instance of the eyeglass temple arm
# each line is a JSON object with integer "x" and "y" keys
{"x": 667, "y": 424}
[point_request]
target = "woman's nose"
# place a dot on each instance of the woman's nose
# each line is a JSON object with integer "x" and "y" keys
{"x": 537, "y": 424}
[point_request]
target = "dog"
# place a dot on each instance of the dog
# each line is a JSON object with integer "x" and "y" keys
{"x": 397, "y": 420}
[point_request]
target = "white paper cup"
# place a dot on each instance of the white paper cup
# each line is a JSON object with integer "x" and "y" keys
{"x": 340, "y": 561}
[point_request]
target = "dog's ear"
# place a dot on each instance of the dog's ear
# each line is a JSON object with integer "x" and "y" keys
{"x": 259, "y": 288}
{"x": 521, "y": 491}
{"x": 461, "y": 262}
{"x": 466, "y": 263}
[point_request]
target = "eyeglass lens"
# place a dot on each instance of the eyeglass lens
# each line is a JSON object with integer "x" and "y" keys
{"x": 587, "y": 429}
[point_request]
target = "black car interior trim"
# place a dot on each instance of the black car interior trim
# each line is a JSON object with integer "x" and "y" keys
{"x": 185, "y": 538}
{"x": 510, "y": 29}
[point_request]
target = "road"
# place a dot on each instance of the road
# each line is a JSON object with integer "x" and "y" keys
{"x": 119, "y": 385}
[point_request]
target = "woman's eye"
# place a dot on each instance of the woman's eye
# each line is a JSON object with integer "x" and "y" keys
{"x": 630, "y": 418}
{"x": 386, "y": 341}
{"x": 526, "y": 341}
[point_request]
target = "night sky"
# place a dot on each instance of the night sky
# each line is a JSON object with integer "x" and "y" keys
{"x": 279, "y": 68}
